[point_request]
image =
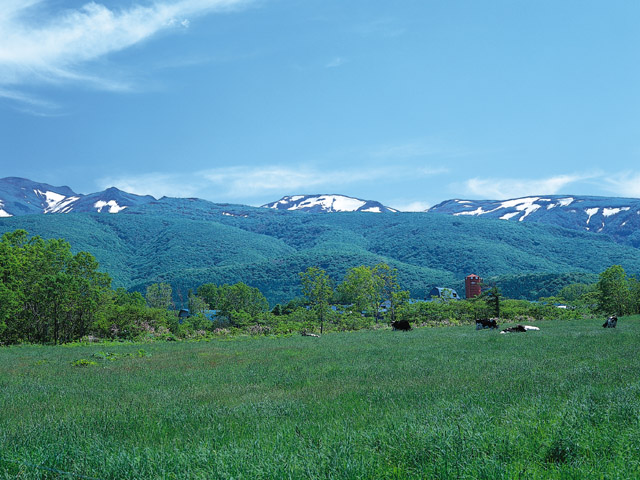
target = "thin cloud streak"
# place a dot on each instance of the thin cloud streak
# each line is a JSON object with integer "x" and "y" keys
{"x": 336, "y": 62}
{"x": 258, "y": 185}
{"x": 415, "y": 206}
{"x": 34, "y": 49}
{"x": 154, "y": 184}
{"x": 504, "y": 188}
{"x": 249, "y": 183}
{"x": 27, "y": 99}
{"x": 624, "y": 184}
{"x": 255, "y": 181}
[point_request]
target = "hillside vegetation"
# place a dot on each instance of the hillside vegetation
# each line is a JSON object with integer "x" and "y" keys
{"x": 193, "y": 243}
{"x": 430, "y": 403}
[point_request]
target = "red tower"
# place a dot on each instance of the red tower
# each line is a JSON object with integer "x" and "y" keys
{"x": 472, "y": 286}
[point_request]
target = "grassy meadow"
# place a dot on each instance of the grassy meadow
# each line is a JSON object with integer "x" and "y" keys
{"x": 452, "y": 402}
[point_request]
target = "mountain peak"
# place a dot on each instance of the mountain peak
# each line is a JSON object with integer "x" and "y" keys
{"x": 21, "y": 196}
{"x": 327, "y": 203}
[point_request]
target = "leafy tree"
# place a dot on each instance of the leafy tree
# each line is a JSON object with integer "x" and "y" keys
{"x": 318, "y": 289}
{"x": 209, "y": 292}
{"x": 240, "y": 303}
{"x": 634, "y": 291}
{"x": 575, "y": 292}
{"x": 613, "y": 291}
{"x": 389, "y": 288}
{"x": 362, "y": 287}
{"x": 159, "y": 295}
{"x": 197, "y": 304}
{"x": 48, "y": 293}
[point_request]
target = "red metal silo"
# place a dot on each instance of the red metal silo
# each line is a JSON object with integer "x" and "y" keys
{"x": 472, "y": 286}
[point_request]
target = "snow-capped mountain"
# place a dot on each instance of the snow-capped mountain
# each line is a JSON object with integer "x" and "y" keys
{"x": 19, "y": 196}
{"x": 619, "y": 217}
{"x": 327, "y": 203}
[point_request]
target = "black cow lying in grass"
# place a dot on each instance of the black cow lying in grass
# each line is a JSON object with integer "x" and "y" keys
{"x": 486, "y": 323}
{"x": 611, "y": 322}
{"x": 519, "y": 328}
{"x": 401, "y": 325}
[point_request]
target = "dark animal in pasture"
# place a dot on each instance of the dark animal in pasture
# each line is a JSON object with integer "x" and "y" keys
{"x": 401, "y": 325}
{"x": 486, "y": 323}
{"x": 519, "y": 328}
{"x": 611, "y": 322}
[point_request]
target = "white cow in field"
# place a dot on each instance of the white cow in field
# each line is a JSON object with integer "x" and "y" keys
{"x": 519, "y": 328}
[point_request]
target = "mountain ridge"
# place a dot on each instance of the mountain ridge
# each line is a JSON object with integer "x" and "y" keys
{"x": 618, "y": 217}
{"x": 21, "y": 196}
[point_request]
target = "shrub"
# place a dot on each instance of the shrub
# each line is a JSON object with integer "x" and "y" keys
{"x": 83, "y": 362}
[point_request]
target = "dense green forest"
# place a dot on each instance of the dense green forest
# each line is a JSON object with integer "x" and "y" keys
{"x": 193, "y": 242}
{"x": 48, "y": 294}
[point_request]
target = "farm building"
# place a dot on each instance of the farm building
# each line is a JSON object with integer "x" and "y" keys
{"x": 472, "y": 286}
{"x": 444, "y": 293}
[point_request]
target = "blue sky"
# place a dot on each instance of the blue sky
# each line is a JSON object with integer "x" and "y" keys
{"x": 409, "y": 103}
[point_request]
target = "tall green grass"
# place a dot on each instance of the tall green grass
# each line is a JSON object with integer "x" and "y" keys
{"x": 563, "y": 402}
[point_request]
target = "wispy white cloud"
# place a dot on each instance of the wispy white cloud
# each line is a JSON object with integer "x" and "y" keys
{"x": 623, "y": 184}
{"x": 243, "y": 181}
{"x": 254, "y": 183}
{"x": 37, "y": 47}
{"x": 336, "y": 62}
{"x": 155, "y": 184}
{"x": 27, "y": 99}
{"x": 502, "y": 188}
{"x": 422, "y": 148}
{"x": 412, "y": 206}
{"x": 383, "y": 27}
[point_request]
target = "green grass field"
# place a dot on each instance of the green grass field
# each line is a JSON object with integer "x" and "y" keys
{"x": 453, "y": 402}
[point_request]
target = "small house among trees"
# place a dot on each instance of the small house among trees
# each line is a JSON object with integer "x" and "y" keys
{"x": 444, "y": 293}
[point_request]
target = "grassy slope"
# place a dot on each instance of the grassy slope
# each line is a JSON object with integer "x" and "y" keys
{"x": 267, "y": 249}
{"x": 432, "y": 403}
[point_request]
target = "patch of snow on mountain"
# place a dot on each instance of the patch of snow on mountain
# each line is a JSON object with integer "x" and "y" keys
{"x": 477, "y": 211}
{"x": 462, "y": 201}
{"x": 591, "y": 212}
{"x": 562, "y": 202}
{"x": 227, "y": 214}
{"x": 346, "y": 204}
{"x": 372, "y": 209}
{"x": 112, "y": 204}
{"x": 4, "y": 214}
{"x": 52, "y": 199}
{"x": 526, "y": 205}
{"x": 509, "y": 216}
{"x": 607, "y": 212}
{"x": 331, "y": 203}
{"x": 64, "y": 206}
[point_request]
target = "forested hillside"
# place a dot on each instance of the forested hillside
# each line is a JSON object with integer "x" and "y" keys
{"x": 191, "y": 242}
